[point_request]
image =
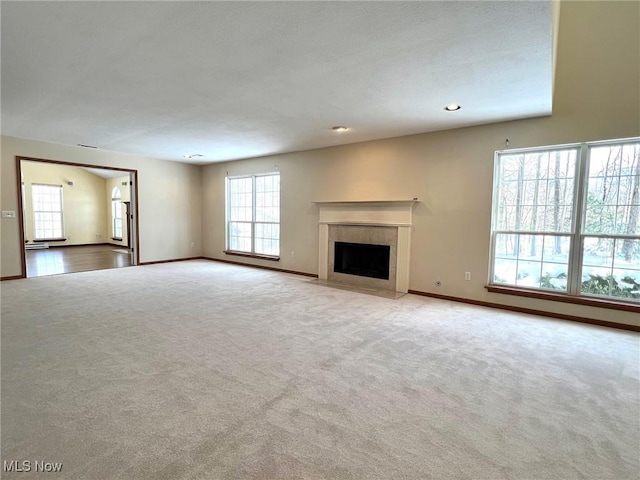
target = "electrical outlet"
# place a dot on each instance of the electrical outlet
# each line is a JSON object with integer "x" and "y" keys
{"x": 293, "y": 254}
{"x": 193, "y": 244}
{"x": 467, "y": 276}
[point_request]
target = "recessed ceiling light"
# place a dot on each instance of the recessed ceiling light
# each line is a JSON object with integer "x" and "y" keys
{"x": 339, "y": 128}
{"x": 192, "y": 155}
{"x": 452, "y": 107}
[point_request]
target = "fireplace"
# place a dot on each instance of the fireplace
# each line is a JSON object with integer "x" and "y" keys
{"x": 382, "y": 226}
{"x": 362, "y": 259}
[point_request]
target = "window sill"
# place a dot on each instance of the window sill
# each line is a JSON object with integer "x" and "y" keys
{"x": 116, "y": 238}
{"x": 565, "y": 298}
{"x": 40, "y": 240}
{"x": 273, "y": 258}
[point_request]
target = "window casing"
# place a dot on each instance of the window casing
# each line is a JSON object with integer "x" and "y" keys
{"x": 116, "y": 213}
{"x": 566, "y": 219}
{"x": 253, "y": 214}
{"x": 47, "y": 211}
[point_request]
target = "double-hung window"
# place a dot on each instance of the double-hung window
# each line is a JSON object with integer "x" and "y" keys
{"x": 567, "y": 219}
{"x": 47, "y": 211}
{"x": 116, "y": 213}
{"x": 253, "y": 214}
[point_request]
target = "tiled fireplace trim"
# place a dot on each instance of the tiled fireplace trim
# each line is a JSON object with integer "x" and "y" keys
{"x": 371, "y": 234}
{"x": 394, "y": 214}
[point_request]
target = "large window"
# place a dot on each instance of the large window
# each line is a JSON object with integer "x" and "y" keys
{"x": 47, "y": 211}
{"x": 116, "y": 213}
{"x": 567, "y": 219}
{"x": 253, "y": 214}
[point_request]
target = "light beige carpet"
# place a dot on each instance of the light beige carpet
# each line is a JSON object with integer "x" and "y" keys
{"x": 203, "y": 370}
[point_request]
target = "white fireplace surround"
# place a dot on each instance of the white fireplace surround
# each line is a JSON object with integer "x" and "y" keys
{"x": 375, "y": 213}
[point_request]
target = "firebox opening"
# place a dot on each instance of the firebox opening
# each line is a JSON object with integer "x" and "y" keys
{"x": 362, "y": 259}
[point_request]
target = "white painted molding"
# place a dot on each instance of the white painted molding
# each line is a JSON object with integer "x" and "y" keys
{"x": 356, "y": 202}
{"x": 368, "y": 212}
{"x": 394, "y": 213}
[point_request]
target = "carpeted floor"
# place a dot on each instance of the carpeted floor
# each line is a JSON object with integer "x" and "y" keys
{"x": 204, "y": 370}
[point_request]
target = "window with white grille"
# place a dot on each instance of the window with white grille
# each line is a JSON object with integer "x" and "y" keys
{"x": 47, "y": 211}
{"x": 567, "y": 219}
{"x": 253, "y": 214}
{"x": 116, "y": 213}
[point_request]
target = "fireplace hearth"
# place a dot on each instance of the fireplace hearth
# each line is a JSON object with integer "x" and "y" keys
{"x": 362, "y": 259}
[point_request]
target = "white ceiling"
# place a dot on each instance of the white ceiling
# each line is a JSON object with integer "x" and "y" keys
{"x": 232, "y": 80}
{"x": 104, "y": 173}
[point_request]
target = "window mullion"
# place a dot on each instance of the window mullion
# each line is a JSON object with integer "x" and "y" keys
{"x": 579, "y": 207}
{"x": 226, "y": 213}
{"x": 253, "y": 214}
{"x": 61, "y": 214}
{"x": 494, "y": 215}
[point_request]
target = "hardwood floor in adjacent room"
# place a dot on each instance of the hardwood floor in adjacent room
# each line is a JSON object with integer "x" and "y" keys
{"x": 56, "y": 260}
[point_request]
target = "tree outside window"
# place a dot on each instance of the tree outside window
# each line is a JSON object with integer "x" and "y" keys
{"x": 567, "y": 219}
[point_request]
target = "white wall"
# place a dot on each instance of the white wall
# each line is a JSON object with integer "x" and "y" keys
{"x": 597, "y": 95}
{"x": 169, "y": 199}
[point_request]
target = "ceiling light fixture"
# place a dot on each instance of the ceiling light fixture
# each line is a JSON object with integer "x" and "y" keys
{"x": 86, "y": 146}
{"x": 192, "y": 155}
{"x": 452, "y": 107}
{"x": 339, "y": 128}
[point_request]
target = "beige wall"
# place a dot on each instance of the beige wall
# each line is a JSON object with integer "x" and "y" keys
{"x": 123, "y": 184}
{"x": 169, "y": 199}
{"x": 596, "y": 96}
{"x": 83, "y": 202}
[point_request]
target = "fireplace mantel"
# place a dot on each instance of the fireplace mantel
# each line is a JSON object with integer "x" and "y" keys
{"x": 367, "y": 212}
{"x": 374, "y": 213}
{"x": 382, "y": 202}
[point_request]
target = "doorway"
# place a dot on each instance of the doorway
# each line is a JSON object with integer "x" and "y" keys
{"x": 71, "y": 220}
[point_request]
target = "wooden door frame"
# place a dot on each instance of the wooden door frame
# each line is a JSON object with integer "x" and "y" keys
{"x": 127, "y": 207}
{"x": 129, "y": 171}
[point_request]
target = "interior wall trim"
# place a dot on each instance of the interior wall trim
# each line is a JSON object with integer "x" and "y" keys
{"x": 263, "y": 267}
{"x": 13, "y": 277}
{"x": 617, "y": 304}
{"x": 531, "y": 311}
{"x": 171, "y": 260}
{"x": 84, "y": 245}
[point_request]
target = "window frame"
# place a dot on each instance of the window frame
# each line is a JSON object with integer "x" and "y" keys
{"x": 114, "y": 209}
{"x": 61, "y": 212}
{"x": 573, "y": 293}
{"x": 253, "y": 220}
